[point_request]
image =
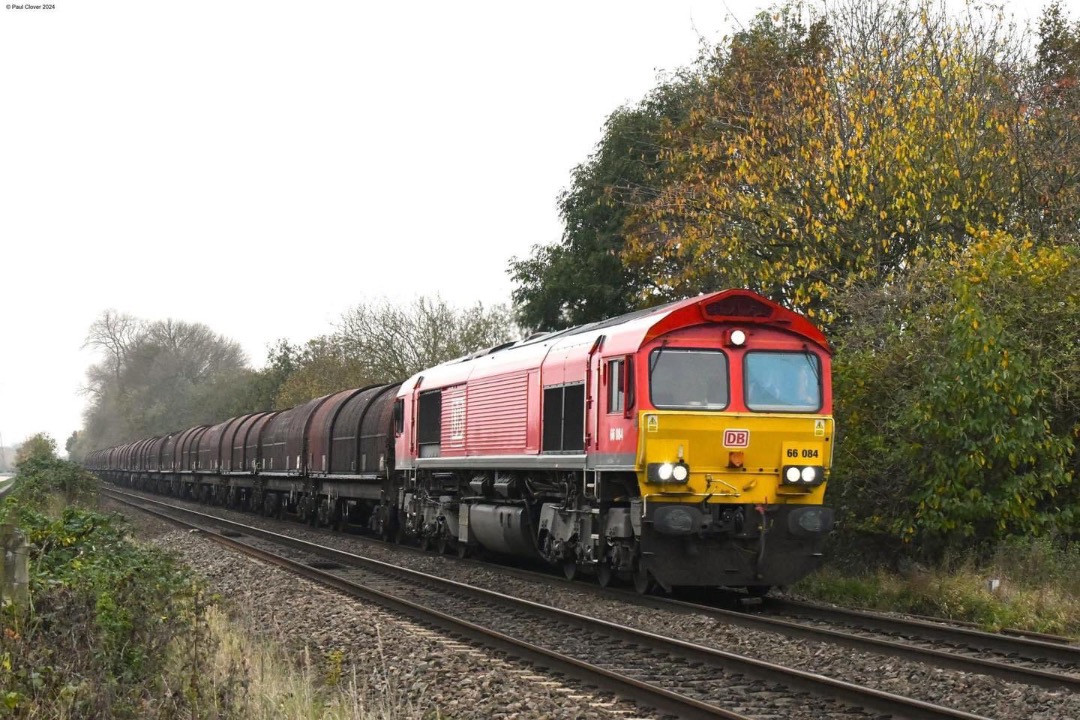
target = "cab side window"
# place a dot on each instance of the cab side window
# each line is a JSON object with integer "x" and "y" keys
{"x": 616, "y": 391}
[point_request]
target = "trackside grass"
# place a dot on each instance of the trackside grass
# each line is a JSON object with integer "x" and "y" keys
{"x": 245, "y": 675}
{"x": 1026, "y": 584}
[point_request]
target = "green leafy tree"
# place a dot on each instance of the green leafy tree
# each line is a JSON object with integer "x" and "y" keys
{"x": 582, "y": 278}
{"x": 956, "y": 391}
{"x": 159, "y": 376}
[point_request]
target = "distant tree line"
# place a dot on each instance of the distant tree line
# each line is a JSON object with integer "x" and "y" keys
{"x": 156, "y": 377}
{"x": 911, "y": 180}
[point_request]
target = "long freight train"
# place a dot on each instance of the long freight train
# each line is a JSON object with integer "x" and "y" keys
{"x": 683, "y": 445}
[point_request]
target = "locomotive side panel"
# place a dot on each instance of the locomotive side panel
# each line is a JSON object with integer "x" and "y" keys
{"x": 497, "y": 415}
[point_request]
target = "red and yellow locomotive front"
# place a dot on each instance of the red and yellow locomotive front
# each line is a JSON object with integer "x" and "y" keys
{"x": 734, "y": 443}
{"x": 687, "y": 444}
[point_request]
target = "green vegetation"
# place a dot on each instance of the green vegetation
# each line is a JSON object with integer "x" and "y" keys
{"x": 1026, "y": 584}
{"x": 120, "y": 630}
{"x": 103, "y": 610}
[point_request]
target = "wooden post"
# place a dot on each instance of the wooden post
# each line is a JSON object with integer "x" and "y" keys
{"x": 15, "y": 575}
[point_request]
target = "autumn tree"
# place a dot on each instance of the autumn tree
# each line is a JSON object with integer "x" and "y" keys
{"x": 40, "y": 446}
{"x": 321, "y": 366}
{"x": 1049, "y": 142}
{"x": 829, "y": 153}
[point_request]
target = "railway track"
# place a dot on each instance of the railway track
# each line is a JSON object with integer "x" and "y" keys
{"x": 675, "y": 676}
{"x": 1043, "y": 660}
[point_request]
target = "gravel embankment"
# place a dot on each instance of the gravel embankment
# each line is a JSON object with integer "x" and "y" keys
{"x": 972, "y": 693}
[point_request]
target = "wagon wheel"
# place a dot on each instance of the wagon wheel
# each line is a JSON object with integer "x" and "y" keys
{"x": 570, "y": 568}
{"x": 462, "y": 550}
{"x": 340, "y": 519}
{"x": 442, "y": 544}
{"x": 425, "y": 542}
{"x": 604, "y": 573}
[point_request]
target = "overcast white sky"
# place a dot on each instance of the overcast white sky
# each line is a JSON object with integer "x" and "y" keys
{"x": 261, "y": 167}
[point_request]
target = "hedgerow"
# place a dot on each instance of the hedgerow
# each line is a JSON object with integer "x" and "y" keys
{"x": 103, "y": 614}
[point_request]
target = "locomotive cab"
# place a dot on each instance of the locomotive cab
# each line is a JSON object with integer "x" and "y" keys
{"x": 734, "y": 449}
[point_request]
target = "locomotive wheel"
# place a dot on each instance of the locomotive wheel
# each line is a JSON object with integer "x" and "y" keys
{"x": 758, "y": 591}
{"x": 604, "y": 573}
{"x": 442, "y": 544}
{"x": 425, "y": 542}
{"x": 570, "y": 569}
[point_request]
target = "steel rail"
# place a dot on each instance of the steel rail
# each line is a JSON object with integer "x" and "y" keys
{"x": 819, "y": 685}
{"x": 960, "y": 636}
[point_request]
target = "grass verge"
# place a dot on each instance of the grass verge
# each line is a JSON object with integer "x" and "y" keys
{"x": 1026, "y": 584}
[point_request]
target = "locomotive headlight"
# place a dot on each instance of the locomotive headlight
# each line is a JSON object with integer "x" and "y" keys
{"x": 803, "y": 475}
{"x": 738, "y": 338}
{"x": 680, "y": 472}
{"x": 665, "y": 471}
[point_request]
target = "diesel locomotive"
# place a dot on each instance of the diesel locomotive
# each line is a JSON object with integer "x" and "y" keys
{"x": 683, "y": 445}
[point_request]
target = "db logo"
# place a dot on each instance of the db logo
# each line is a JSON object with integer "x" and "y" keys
{"x": 736, "y": 438}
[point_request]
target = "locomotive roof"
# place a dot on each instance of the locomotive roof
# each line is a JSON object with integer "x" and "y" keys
{"x": 641, "y": 326}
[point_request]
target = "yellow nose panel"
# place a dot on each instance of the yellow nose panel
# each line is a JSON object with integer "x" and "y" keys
{"x": 713, "y": 445}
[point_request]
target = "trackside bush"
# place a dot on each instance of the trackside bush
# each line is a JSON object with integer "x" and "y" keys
{"x": 104, "y": 611}
{"x": 957, "y": 395}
